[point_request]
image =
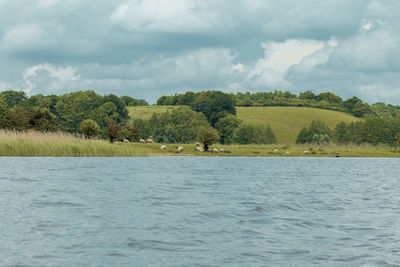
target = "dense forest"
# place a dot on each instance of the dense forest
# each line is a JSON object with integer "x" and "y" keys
{"x": 210, "y": 114}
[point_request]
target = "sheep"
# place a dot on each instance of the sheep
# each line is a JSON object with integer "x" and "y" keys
{"x": 126, "y": 141}
{"x": 163, "y": 147}
{"x": 197, "y": 144}
{"x": 215, "y": 150}
{"x": 199, "y": 148}
{"x": 222, "y": 150}
{"x": 142, "y": 141}
{"x": 150, "y": 141}
{"x": 287, "y": 152}
{"x": 276, "y": 151}
{"x": 180, "y": 149}
{"x": 117, "y": 143}
{"x": 306, "y": 152}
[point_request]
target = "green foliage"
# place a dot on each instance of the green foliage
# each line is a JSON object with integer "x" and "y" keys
{"x": 130, "y": 101}
{"x": 112, "y": 131}
{"x": 321, "y": 139}
{"x": 226, "y": 127}
{"x": 214, "y": 105}
{"x": 3, "y": 112}
{"x": 179, "y": 126}
{"x": 254, "y": 134}
{"x": 104, "y": 113}
{"x": 269, "y": 136}
{"x": 307, "y": 95}
{"x": 132, "y": 133}
{"x": 13, "y": 98}
{"x": 89, "y": 128}
{"x": 207, "y": 136}
{"x": 317, "y": 128}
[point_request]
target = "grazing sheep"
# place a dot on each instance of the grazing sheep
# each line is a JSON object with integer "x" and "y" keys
{"x": 180, "y": 149}
{"x": 117, "y": 143}
{"x": 197, "y": 144}
{"x": 287, "y": 152}
{"x": 276, "y": 151}
{"x": 306, "y": 152}
{"x": 126, "y": 141}
{"x": 163, "y": 147}
{"x": 142, "y": 141}
{"x": 222, "y": 150}
{"x": 199, "y": 148}
{"x": 150, "y": 141}
{"x": 215, "y": 150}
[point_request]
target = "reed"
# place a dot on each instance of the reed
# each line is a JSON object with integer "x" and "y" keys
{"x": 59, "y": 144}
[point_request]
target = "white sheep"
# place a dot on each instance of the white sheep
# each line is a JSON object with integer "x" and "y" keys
{"x": 163, "y": 147}
{"x": 150, "y": 141}
{"x": 197, "y": 144}
{"x": 306, "y": 152}
{"x": 287, "y": 152}
{"x": 215, "y": 150}
{"x": 199, "y": 148}
{"x": 142, "y": 141}
{"x": 180, "y": 149}
{"x": 222, "y": 150}
{"x": 126, "y": 141}
{"x": 276, "y": 151}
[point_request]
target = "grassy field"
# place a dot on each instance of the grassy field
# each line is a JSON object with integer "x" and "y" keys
{"x": 286, "y": 122}
{"x": 66, "y": 145}
{"x": 145, "y": 112}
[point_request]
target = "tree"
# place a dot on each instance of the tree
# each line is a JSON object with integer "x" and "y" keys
{"x": 226, "y": 127}
{"x": 131, "y": 133}
{"x": 3, "y": 112}
{"x": 307, "y": 95}
{"x": 307, "y": 134}
{"x": 41, "y": 119}
{"x": 13, "y": 98}
{"x": 214, "y": 105}
{"x": 112, "y": 130}
{"x": 104, "y": 113}
{"x": 269, "y": 136}
{"x": 89, "y": 128}
{"x": 244, "y": 134}
{"x": 207, "y": 136}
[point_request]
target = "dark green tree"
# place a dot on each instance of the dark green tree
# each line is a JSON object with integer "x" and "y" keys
{"x": 269, "y": 136}
{"x": 226, "y": 127}
{"x": 112, "y": 131}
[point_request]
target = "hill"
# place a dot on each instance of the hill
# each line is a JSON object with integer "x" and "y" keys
{"x": 145, "y": 112}
{"x": 286, "y": 122}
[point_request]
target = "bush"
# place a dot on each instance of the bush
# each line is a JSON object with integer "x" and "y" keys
{"x": 207, "y": 136}
{"x": 89, "y": 128}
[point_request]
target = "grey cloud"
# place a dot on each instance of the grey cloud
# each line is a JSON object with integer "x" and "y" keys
{"x": 147, "y": 48}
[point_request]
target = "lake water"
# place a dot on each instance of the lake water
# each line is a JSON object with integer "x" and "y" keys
{"x": 199, "y": 211}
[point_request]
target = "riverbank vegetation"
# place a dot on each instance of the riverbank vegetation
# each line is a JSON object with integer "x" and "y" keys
{"x": 88, "y": 119}
{"x": 56, "y": 144}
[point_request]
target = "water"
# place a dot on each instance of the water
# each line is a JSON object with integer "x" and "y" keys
{"x": 186, "y": 211}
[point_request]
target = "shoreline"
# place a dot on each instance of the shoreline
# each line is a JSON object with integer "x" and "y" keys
{"x": 34, "y": 144}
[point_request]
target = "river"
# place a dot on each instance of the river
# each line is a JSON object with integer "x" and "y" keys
{"x": 199, "y": 211}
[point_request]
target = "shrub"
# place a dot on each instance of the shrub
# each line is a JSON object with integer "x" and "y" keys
{"x": 89, "y": 128}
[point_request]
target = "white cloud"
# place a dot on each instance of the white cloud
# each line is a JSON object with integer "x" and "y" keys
{"x": 279, "y": 57}
{"x": 49, "y": 77}
{"x": 181, "y": 16}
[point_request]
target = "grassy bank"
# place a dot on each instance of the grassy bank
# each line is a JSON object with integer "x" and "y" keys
{"x": 66, "y": 145}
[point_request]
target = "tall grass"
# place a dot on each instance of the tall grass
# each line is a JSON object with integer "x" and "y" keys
{"x": 60, "y": 145}
{"x": 67, "y": 145}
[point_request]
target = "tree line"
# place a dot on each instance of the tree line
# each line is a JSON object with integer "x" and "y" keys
{"x": 326, "y": 100}
{"x": 372, "y": 130}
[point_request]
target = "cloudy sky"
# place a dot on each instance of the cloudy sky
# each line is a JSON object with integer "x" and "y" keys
{"x": 148, "y": 48}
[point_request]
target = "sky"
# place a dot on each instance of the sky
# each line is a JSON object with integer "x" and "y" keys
{"x": 149, "y": 48}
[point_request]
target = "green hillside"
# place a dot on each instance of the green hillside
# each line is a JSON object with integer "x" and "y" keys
{"x": 286, "y": 122}
{"x": 145, "y": 112}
